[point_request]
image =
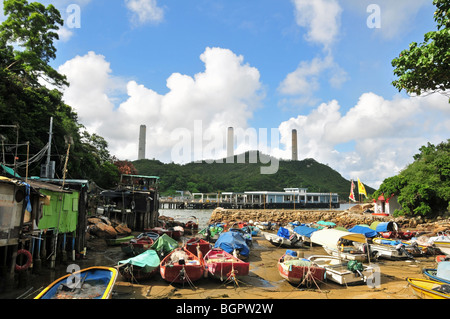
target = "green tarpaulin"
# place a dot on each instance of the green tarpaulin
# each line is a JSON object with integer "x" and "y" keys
{"x": 148, "y": 260}
{"x": 165, "y": 244}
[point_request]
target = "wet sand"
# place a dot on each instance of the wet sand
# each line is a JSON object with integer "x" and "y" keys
{"x": 264, "y": 281}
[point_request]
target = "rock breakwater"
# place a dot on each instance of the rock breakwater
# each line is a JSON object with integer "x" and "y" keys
{"x": 345, "y": 218}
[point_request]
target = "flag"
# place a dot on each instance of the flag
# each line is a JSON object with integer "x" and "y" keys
{"x": 352, "y": 195}
{"x": 361, "y": 188}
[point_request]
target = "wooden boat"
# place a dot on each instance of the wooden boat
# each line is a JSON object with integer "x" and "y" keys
{"x": 203, "y": 245}
{"x": 137, "y": 246}
{"x": 140, "y": 267}
{"x": 174, "y": 232}
{"x": 118, "y": 241}
{"x": 300, "y": 271}
{"x": 224, "y": 266}
{"x": 343, "y": 272}
{"x": 341, "y": 244}
{"x": 429, "y": 289}
{"x": 181, "y": 266}
{"x": 441, "y": 273}
{"x": 164, "y": 245}
{"x": 89, "y": 283}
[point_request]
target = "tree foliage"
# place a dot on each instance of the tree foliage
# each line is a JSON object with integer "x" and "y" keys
{"x": 24, "y": 101}
{"x": 423, "y": 187}
{"x": 426, "y": 66}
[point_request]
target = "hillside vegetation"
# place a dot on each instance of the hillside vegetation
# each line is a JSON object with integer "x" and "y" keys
{"x": 239, "y": 177}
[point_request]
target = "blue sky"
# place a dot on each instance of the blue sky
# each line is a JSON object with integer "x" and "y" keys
{"x": 316, "y": 66}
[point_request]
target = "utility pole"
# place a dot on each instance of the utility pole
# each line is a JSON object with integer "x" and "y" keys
{"x": 48, "y": 175}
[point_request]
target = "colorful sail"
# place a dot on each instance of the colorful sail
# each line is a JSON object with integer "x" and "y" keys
{"x": 361, "y": 188}
{"x": 352, "y": 194}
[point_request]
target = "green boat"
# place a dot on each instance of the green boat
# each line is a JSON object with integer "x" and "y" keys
{"x": 164, "y": 245}
{"x": 140, "y": 267}
{"x": 118, "y": 241}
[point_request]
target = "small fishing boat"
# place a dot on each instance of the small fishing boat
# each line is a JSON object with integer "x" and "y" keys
{"x": 443, "y": 245}
{"x": 340, "y": 243}
{"x": 191, "y": 227}
{"x": 137, "y": 245}
{"x": 175, "y": 232}
{"x": 118, "y": 241}
{"x": 391, "y": 249}
{"x": 283, "y": 238}
{"x": 212, "y": 232}
{"x": 164, "y": 245}
{"x": 231, "y": 241}
{"x": 140, "y": 267}
{"x": 441, "y": 273}
{"x": 89, "y": 283}
{"x": 429, "y": 289}
{"x": 203, "y": 245}
{"x": 300, "y": 271}
{"x": 225, "y": 266}
{"x": 343, "y": 272}
{"x": 181, "y": 266}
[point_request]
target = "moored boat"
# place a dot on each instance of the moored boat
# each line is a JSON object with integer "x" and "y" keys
{"x": 224, "y": 266}
{"x": 89, "y": 283}
{"x": 429, "y": 289}
{"x": 300, "y": 271}
{"x": 233, "y": 243}
{"x": 391, "y": 249}
{"x": 181, "y": 266}
{"x": 164, "y": 245}
{"x": 441, "y": 273}
{"x": 203, "y": 245}
{"x": 343, "y": 272}
{"x": 284, "y": 238}
{"x": 137, "y": 246}
{"x": 140, "y": 267}
{"x": 340, "y": 243}
{"x": 443, "y": 245}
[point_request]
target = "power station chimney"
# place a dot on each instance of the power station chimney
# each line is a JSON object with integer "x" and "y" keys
{"x": 142, "y": 134}
{"x": 230, "y": 145}
{"x": 294, "y": 145}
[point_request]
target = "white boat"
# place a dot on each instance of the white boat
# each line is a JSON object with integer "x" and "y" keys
{"x": 280, "y": 241}
{"x": 443, "y": 245}
{"x": 337, "y": 270}
{"x": 341, "y": 244}
{"x": 388, "y": 249}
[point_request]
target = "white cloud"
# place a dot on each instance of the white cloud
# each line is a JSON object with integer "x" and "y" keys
{"x": 144, "y": 11}
{"x": 385, "y": 133}
{"x": 225, "y": 94}
{"x": 321, "y": 18}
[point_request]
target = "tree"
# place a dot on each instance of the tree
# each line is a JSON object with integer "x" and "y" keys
{"x": 426, "y": 67}
{"x": 33, "y": 28}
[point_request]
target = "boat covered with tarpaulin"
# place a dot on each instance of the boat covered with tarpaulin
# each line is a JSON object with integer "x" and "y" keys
{"x": 365, "y": 230}
{"x": 90, "y": 283}
{"x": 340, "y": 243}
{"x": 140, "y": 267}
{"x": 230, "y": 241}
{"x": 164, "y": 245}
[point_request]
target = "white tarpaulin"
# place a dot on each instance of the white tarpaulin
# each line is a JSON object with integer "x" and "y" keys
{"x": 330, "y": 237}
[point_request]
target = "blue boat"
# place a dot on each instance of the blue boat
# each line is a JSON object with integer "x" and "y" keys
{"x": 89, "y": 283}
{"x": 230, "y": 241}
{"x": 441, "y": 274}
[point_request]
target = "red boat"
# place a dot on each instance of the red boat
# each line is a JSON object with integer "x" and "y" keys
{"x": 181, "y": 266}
{"x": 191, "y": 227}
{"x": 174, "y": 232}
{"x": 224, "y": 266}
{"x": 137, "y": 246}
{"x": 300, "y": 272}
{"x": 203, "y": 245}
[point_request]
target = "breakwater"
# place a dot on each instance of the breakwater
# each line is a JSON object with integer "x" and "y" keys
{"x": 345, "y": 218}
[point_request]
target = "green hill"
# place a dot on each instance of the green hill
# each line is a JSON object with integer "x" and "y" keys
{"x": 239, "y": 177}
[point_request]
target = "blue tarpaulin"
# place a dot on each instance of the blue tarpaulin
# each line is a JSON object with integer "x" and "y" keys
{"x": 366, "y": 231}
{"x": 305, "y": 230}
{"x": 283, "y": 232}
{"x": 231, "y": 240}
{"x": 386, "y": 226}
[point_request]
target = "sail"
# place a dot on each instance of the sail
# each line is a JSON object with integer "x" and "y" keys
{"x": 352, "y": 194}
{"x": 361, "y": 188}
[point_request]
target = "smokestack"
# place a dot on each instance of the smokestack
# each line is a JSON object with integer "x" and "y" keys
{"x": 294, "y": 145}
{"x": 230, "y": 144}
{"x": 142, "y": 134}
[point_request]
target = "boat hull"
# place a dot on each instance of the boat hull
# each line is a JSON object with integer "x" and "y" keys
{"x": 424, "y": 289}
{"x": 224, "y": 266}
{"x": 203, "y": 245}
{"x": 102, "y": 279}
{"x": 443, "y": 245}
{"x": 191, "y": 269}
{"x": 345, "y": 255}
{"x": 300, "y": 275}
{"x": 279, "y": 241}
{"x": 337, "y": 271}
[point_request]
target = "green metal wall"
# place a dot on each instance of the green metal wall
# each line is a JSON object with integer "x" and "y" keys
{"x": 63, "y": 206}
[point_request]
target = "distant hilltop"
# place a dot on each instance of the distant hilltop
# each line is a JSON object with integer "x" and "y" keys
{"x": 244, "y": 175}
